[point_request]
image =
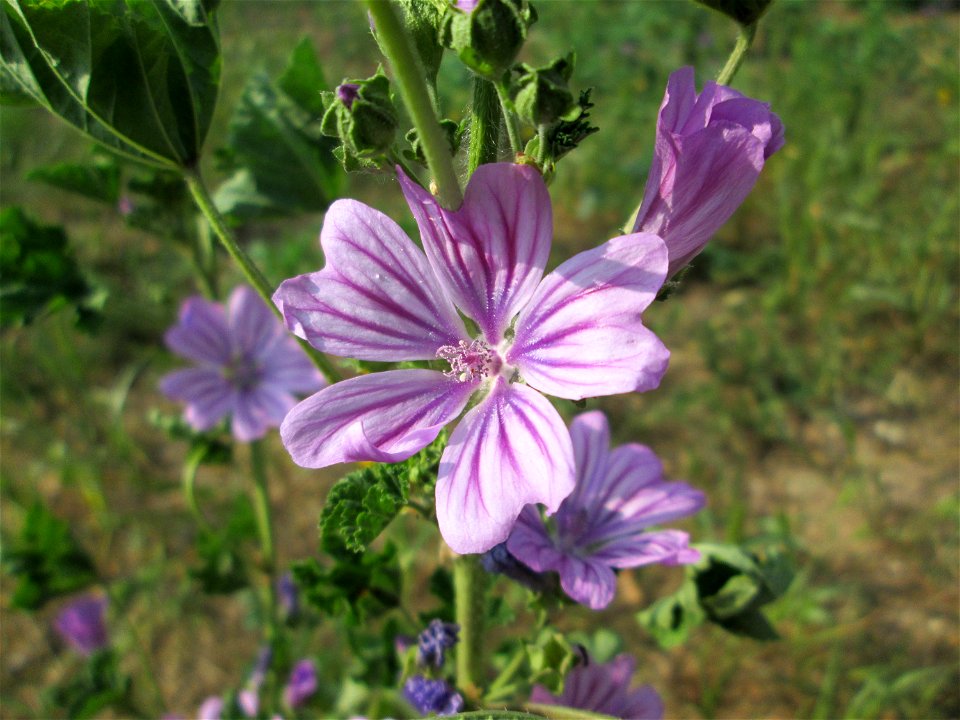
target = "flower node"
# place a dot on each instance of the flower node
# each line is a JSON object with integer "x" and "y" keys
{"x": 469, "y": 361}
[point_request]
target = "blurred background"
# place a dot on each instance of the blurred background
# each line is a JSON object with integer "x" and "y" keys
{"x": 812, "y": 390}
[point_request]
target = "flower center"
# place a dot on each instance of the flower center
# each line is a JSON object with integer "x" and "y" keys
{"x": 243, "y": 373}
{"x": 469, "y": 361}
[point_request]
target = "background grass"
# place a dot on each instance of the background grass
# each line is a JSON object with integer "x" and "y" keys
{"x": 812, "y": 389}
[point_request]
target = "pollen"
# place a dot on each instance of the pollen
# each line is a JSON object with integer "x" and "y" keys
{"x": 469, "y": 361}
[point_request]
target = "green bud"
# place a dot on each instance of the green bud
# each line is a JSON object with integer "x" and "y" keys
{"x": 543, "y": 96}
{"x": 423, "y": 20}
{"x": 488, "y": 37}
{"x": 745, "y": 12}
{"x": 452, "y": 131}
{"x": 362, "y": 115}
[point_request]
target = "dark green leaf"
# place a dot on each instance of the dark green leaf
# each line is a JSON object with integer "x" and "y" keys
{"x": 99, "y": 685}
{"x": 139, "y": 77}
{"x": 223, "y": 568}
{"x": 302, "y": 80}
{"x": 46, "y": 561}
{"x": 100, "y": 181}
{"x": 38, "y": 273}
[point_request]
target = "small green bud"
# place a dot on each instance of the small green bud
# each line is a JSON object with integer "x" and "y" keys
{"x": 424, "y": 20}
{"x": 488, "y": 34}
{"x": 543, "y": 96}
{"x": 362, "y": 115}
{"x": 745, "y": 12}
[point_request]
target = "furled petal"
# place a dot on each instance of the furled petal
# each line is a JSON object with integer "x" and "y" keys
{"x": 253, "y": 327}
{"x": 201, "y": 333}
{"x": 208, "y": 395}
{"x": 489, "y": 254}
{"x": 510, "y": 450}
{"x": 376, "y": 298}
{"x": 581, "y": 335}
{"x": 384, "y": 417}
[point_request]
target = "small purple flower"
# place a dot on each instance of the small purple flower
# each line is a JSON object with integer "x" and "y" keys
{"x": 605, "y": 688}
{"x": 432, "y": 696}
{"x": 81, "y": 623}
{"x": 125, "y": 205}
{"x": 249, "y": 697}
{"x": 288, "y": 595}
{"x": 467, "y": 6}
{"x": 602, "y": 524}
{"x": 709, "y": 153}
{"x": 575, "y": 333}
{"x": 432, "y": 642}
{"x": 301, "y": 685}
{"x": 211, "y": 709}
{"x": 347, "y": 93}
{"x": 247, "y": 365}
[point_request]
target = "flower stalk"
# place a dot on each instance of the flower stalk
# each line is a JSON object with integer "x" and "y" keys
{"x": 744, "y": 41}
{"x": 411, "y": 81}
{"x": 469, "y": 588}
{"x": 484, "y": 124}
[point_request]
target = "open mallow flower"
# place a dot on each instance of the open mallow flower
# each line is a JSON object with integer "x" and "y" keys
{"x": 575, "y": 333}
{"x": 709, "y": 152}
{"x": 605, "y": 688}
{"x": 604, "y": 523}
{"x": 247, "y": 365}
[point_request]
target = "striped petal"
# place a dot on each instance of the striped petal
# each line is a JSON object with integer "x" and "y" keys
{"x": 581, "y": 335}
{"x": 201, "y": 333}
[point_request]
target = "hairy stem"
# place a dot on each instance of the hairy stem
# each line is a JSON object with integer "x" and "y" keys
{"x": 509, "y": 119}
{"x": 469, "y": 588}
{"x": 411, "y": 81}
{"x": 744, "y": 40}
{"x": 484, "y": 124}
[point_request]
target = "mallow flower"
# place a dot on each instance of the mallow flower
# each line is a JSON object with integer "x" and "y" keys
{"x": 604, "y": 523}
{"x": 302, "y": 684}
{"x": 709, "y": 152}
{"x": 81, "y": 623}
{"x": 432, "y": 696}
{"x": 605, "y": 688}
{"x": 247, "y": 365}
{"x": 575, "y": 333}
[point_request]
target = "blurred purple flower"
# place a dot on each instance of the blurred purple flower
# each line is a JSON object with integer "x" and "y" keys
{"x": 248, "y": 366}
{"x": 467, "y": 6}
{"x": 288, "y": 595}
{"x": 576, "y": 333}
{"x": 211, "y": 709}
{"x": 605, "y": 688}
{"x": 498, "y": 561}
{"x": 249, "y": 697}
{"x": 125, "y": 205}
{"x": 432, "y": 696}
{"x": 709, "y": 152}
{"x": 602, "y": 524}
{"x": 81, "y": 623}
{"x": 302, "y": 684}
{"x": 438, "y": 637}
{"x": 347, "y": 93}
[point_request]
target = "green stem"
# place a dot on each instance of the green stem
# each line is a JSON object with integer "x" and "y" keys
{"x": 484, "y": 124}
{"x": 409, "y": 75}
{"x": 190, "y": 468}
{"x": 261, "y": 508}
{"x": 469, "y": 588}
{"x": 744, "y": 40}
{"x": 502, "y": 682}
{"x": 509, "y": 118}
{"x": 250, "y": 271}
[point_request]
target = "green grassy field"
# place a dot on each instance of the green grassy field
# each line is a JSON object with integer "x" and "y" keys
{"x": 812, "y": 390}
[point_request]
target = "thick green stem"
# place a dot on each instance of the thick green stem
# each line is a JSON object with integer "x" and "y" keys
{"x": 509, "y": 118}
{"x": 261, "y": 508}
{"x": 250, "y": 271}
{"x": 411, "y": 81}
{"x": 469, "y": 588}
{"x": 744, "y": 40}
{"x": 484, "y": 124}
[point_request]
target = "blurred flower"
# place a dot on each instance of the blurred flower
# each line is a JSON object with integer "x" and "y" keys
{"x": 605, "y": 688}
{"x": 432, "y": 696}
{"x": 302, "y": 684}
{"x": 288, "y": 595}
{"x": 432, "y": 642}
{"x": 125, "y": 205}
{"x": 576, "y": 333}
{"x": 602, "y": 524}
{"x": 81, "y": 623}
{"x": 247, "y": 365}
{"x": 709, "y": 152}
{"x": 498, "y": 561}
{"x": 466, "y": 6}
{"x": 249, "y": 697}
{"x": 211, "y": 709}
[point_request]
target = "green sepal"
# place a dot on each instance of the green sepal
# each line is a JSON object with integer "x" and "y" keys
{"x": 543, "y": 96}
{"x": 368, "y": 127}
{"x": 488, "y": 38}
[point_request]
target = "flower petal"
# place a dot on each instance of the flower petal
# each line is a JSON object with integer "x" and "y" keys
{"x": 201, "y": 333}
{"x": 385, "y": 417}
{"x": 287, "y": 366}
{"x": 510, "y": 450}
{"x": 376, "y": 298}
{"x": 667, "y": 547}
{"x": 490, "y": 254}
{"x": 208, "y": 395}
{"x": 581, "y": 335}
{"x": 590, "y": 434}
{"x": 588, "y": 582}
{"x": 253, "y": 326}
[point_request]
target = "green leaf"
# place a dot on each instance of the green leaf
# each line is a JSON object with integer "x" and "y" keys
{"x": 139, "y": 77}
{"x": 281, "y": 162}
{"x": 551, "y": 657}
{"x": 671, "y": 619}
{"x": 223, "y": 567}
{"x": 100, "y": 181}
{"x": 99, "y": 685}
{"x": 38, "y": 273}
{"x": 46, "y": 561}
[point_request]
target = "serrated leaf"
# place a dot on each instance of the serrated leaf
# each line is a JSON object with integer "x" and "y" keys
{"x": 139, "y": 77}
{"x": 97, "y": 182}
{"x": 46, "y": 561}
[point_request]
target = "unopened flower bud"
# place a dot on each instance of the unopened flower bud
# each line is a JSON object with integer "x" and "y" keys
{"x": 362, "y": 115}
{"x": 543, "y": 97}
{"x": 488, "y": 34}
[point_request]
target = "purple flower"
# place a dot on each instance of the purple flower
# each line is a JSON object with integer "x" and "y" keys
{"x": 247, "y": 365}
{"x": 432, "y": 696}
{"x": 467, "y": 6}
{"x": 605, "y": 688}
{"x": 709, "y": 153}
{"x": 498, "y": 561}
{"x": 432, "y": 642}
{"x": 288, "y": 595}
{"x": 575, "y": 333}
{"x": 301, "y": 685}
{"x": 602, "y": 525}
{"x": 347, "y": 93}
{"x": 211, "y": 709}
{"x": 249, "y": 698}
{"x": 81, "y": 623}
